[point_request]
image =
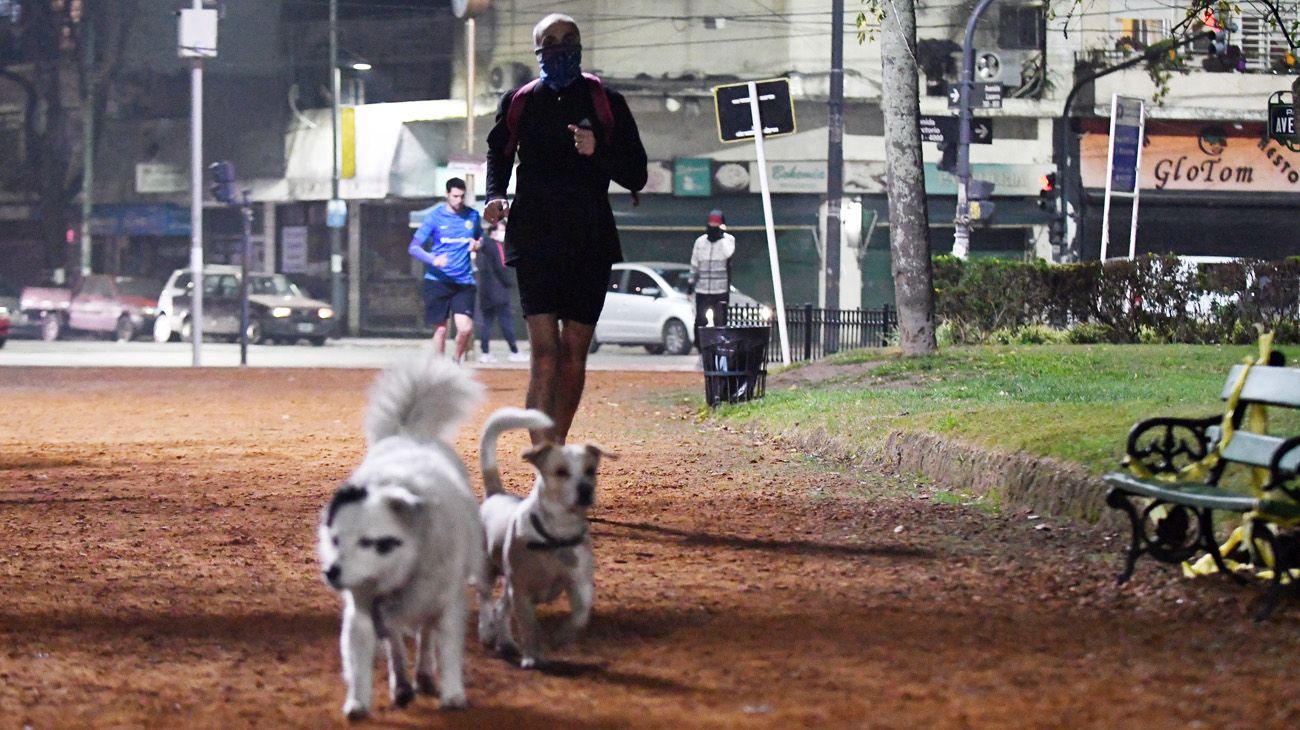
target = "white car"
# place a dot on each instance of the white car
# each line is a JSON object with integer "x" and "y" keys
{"x": 647, "y": 304}
{"x": 166, "y": 328}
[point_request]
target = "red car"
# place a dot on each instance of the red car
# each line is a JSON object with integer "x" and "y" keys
{"x": 4, "y": 325}
{"x": 120, "y": 306}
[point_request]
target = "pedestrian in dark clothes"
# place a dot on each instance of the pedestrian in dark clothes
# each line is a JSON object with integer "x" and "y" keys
{"x": 496, "y": 289}
{"x": 560, "y": 237}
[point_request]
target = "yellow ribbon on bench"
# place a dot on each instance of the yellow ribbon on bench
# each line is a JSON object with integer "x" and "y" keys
{"x": 1256, "y": 422}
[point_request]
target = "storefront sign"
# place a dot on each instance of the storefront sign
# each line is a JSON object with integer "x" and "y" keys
{"x": 1242, "y": 164}
{"x": 790, "y": 177}
{"x": 1007, "y": 179}
{"x": 153, "y": 177}
{"x": 293, "y": 249}
{"x": 692, "y": 177}
{"x": 731, "y": 177}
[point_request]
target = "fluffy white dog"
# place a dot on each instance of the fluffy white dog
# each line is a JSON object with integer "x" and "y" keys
{"x": 540, "y": 543}
{"x": 401, "y": 539}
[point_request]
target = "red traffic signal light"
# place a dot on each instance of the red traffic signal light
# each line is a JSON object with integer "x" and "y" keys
{"x": 1047, "y": 183}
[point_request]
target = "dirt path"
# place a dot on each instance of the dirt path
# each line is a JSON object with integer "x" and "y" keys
{"x": 157, "y": 570}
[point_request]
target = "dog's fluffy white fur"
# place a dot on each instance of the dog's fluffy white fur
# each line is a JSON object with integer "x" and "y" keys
{"x": 539, "y": 544}
{"x": 401, "y": 540}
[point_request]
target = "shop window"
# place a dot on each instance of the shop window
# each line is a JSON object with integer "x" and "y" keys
{"x": 1141, "y": 33}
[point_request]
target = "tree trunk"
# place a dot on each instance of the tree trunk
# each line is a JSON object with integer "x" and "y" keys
{"x": 909, "y": 229}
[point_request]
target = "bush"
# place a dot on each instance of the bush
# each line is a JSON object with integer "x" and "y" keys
{"x": 1152, "y": 299}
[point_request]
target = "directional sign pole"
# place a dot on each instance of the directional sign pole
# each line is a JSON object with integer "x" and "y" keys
{"x": 961, "y": 224}
{"x": 1110, "y": 173}
{"x": 1137, "y": 184}
{"x": 767, "y": 219}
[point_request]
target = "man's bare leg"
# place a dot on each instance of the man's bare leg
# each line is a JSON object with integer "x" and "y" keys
{"x": 544, "y": 342}
{"x": 440, "y": 339}
{"x": 575, "y": 339}
{"x": 464, "y": 330}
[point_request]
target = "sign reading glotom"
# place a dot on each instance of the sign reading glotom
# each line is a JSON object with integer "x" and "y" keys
{"x": 1181, "y": 162}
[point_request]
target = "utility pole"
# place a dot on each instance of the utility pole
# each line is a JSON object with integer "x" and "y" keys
{"x": 198, "y": 40}
{"x": 336, "y": 209}
{"x": 835, "y": 171}
{"x": 87, "y": 134}
{"x": 961, "y": 224}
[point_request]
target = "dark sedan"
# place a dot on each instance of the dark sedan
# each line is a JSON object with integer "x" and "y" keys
{"x": 278, "y": 311}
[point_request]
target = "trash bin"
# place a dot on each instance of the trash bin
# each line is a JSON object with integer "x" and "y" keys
{"x": 735, "y": 363}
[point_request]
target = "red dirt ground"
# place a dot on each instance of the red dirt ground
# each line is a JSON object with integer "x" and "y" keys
{"x": 157, "y": 570}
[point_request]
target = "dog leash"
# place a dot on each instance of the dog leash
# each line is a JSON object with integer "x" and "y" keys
{"x": 552, "y": 543}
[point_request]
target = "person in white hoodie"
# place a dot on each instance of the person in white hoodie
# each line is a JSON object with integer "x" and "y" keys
{"x": 711, "y": 272}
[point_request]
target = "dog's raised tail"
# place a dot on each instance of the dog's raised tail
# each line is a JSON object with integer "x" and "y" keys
{"x": 422, "y": 397}
{"x": 502, "y": 420}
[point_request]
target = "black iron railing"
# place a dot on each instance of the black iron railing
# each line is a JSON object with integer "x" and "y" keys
{"x": 816, "y": 333}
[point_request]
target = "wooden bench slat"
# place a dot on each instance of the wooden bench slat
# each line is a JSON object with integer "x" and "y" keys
{"x": 1268, "y": 385}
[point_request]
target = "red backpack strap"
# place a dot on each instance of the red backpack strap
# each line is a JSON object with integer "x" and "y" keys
{"x": 600, "y": 100}
{"x": 516, "y": 111}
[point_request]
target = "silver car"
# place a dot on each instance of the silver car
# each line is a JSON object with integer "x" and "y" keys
{"x": 646, "y": 304}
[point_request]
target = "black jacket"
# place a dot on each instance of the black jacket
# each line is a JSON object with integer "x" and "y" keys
{"x": 494, "y": 280}
{"x": 561, "y": 207}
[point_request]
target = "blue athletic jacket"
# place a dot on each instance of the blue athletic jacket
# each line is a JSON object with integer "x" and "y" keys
{"x": 449, "y": 233}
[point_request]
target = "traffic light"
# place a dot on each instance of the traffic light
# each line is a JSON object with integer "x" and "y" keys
{"x": 1047, "y": 192}
{"x": 223, "y": 182}
{"x": 1218, "y": 37}
{"x": 1219, "y": 42}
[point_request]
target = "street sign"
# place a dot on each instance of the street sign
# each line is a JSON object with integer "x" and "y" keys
{"x": 1281, "y": 122}
{"x": 983, "y": 96}
{"x": 1124, "y": 160}
{"x": 1126, "y": 138}
{"x": 944, "y": 130}
{"x": 775, "y": 109}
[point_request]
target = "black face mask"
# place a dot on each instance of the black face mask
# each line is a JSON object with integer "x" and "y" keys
{"x": 713, "y": 232}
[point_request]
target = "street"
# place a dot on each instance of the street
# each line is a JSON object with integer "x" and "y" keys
{"x": 341, "y": 353}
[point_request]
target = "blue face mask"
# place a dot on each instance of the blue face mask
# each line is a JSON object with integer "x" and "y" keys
{"x": 561, "y": 65}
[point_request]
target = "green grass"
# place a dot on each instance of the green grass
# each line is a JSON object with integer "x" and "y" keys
{"x": 1074, "y": 402}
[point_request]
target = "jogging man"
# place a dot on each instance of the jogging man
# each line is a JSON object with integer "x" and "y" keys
{"x": 573, "y": 137}
{"x": 451, "y": 230}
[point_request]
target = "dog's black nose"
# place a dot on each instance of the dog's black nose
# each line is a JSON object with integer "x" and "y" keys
{"x": 585, "y": 494}
{"x": 332, "y": 575}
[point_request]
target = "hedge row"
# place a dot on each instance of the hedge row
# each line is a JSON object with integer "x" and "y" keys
{"x": 1149, "y": 299}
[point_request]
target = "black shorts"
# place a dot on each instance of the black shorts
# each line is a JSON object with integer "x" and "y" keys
{"x": 574, "y": 292}
{"x": 443, "y": 299}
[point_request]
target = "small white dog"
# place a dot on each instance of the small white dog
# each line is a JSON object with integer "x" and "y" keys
{"x": 401, "y": 539}
{"x": 540, "y": 543}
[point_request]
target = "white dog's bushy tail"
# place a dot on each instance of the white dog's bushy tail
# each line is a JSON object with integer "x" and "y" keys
{"x": 502, "y": 420}
{"x": 423, "y": 397}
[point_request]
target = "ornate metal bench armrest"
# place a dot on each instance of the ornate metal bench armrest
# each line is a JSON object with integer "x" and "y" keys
{"x": 1165, "y": 445}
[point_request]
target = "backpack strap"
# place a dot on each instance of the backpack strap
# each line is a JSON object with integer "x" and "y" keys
{"x": 600, "y": 101}
{"x": 519, "y": 101}
{"x": 515, "y": 112}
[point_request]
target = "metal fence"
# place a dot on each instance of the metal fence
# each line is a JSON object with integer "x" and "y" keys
{"x": 816, "y": 333}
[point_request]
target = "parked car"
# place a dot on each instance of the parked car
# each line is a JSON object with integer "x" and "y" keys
{"x": 122, "y": 306}
{"x": 9, "y": 310}
{"x": 165, "y": 327}
{"x": 278, "y": 311}
{"x": 647, "y": 304}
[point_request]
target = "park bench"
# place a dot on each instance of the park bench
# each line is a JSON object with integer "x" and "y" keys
{"x": 1172, "y": 489}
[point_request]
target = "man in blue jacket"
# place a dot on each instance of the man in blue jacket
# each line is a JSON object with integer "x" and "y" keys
{"x": 573, "y": 136}
{"x": 452, "y": 230}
